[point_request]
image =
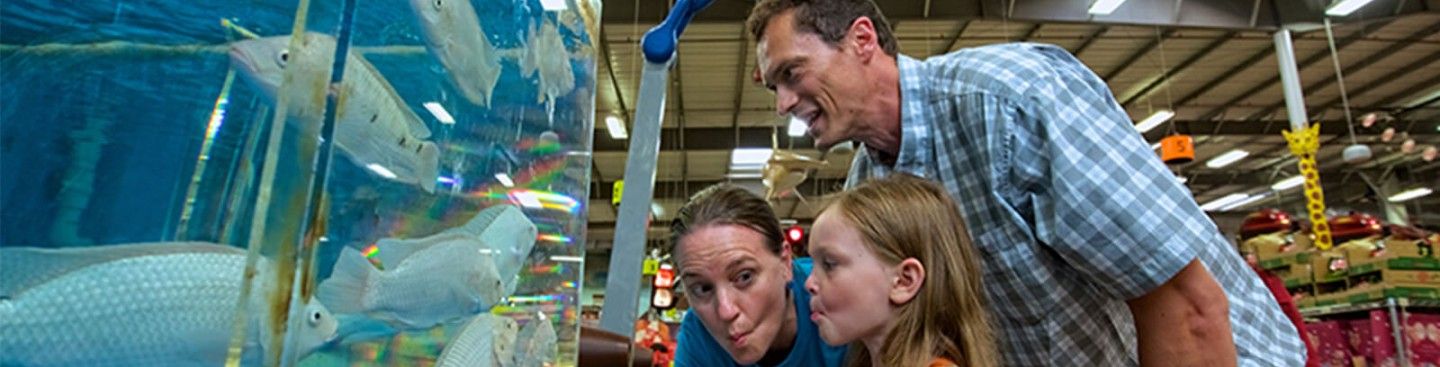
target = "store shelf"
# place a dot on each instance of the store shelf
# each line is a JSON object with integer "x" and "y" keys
{"x": 1311, "y": 312}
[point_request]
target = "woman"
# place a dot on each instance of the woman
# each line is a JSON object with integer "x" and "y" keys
{"x": 898, "y": 278}
{"x": 747, "y": 305}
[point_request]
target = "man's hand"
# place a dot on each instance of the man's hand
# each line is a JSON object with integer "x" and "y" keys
{"x": 1184, "y": 322}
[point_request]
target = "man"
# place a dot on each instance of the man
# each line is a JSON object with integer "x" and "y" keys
{"x": 1093, "y": 253}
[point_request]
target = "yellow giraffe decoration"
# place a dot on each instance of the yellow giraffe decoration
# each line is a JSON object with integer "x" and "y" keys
{"x": 1304, "y": 144}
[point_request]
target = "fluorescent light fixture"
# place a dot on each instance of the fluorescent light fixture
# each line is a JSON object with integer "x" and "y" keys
{"x": 1227, "y": 158}
{"x": 1154, "y": 120}
{"x": 440, "y": 113}
{"x": 616, "y": 127}
{"x": 1244, "y": 202}
{"x": 1288, "y": 183}
{"x": 504, "y": 179}
{"x": 573, "y": 259}
{"x": 797, "y": 127}
{"x": 1105, "y": 7}
{"x": 749, "y": 159}
{"x": 381, "y": 170}
{"x": 1182, "y": 179}
{"x": 1410, "y": 194}
{"x": 1345, "y": 7}
{"x": 1224, "y": 201}
{"x": 1155, "y": 146}
{"x": 553, "y": 5}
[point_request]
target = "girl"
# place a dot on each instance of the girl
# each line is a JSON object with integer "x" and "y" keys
{"x": 897, "y": 278}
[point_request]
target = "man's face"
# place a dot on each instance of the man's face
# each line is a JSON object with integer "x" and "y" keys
{"x": 812, "y": 80}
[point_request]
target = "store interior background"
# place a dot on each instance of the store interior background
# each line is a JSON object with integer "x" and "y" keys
{"x": 1205, "y": 62}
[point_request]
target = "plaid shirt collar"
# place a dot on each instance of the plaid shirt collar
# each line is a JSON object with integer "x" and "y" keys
{"x": 915, "y": 122}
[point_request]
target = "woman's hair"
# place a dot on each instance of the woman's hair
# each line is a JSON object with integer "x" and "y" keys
{"x": 902, "y": 217}
{"x": 726, "y": 204}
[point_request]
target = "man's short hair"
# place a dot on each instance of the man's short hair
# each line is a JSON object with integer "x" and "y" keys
{"x": 829, "y": 19}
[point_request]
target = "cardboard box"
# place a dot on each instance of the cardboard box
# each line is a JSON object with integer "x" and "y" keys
{"x": 1384, "y": 276}
{"x": 1298, "y": 279}
{"x": 1370, "y": 293}
{"x": 1398, "y": 254}
{"x": 1329, "y": 267}
{"x": 1286, "y": 259}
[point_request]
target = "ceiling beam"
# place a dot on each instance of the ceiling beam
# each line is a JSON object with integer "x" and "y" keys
{"x": 1090, "y": 40}
{"x": 1391, "y": 100}
{"x": 1237, "y": 69}
{"x": 1373, "y": 58}
{"x": 953, "y": 39}
{"x": 1383, "y": 80}
{"x": 1314, "y": 58}
{"x": 1137, "y": 55}
{"x": 677, "y": 189}
{"x": 1179, "y": 68}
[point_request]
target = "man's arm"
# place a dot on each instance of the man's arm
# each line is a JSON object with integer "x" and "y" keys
{"x": 1184, "y": 322}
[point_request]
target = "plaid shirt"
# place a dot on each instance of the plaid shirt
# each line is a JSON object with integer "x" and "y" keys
{"x": 1071, "y": 209}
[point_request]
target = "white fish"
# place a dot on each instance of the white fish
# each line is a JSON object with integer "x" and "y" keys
{"x": 170, "y": 304}
{"x": 428, "y": 281}
{"x": 549, "y": 61}
{"x": 453, "y": 35}
{"x": 536, "y": 344}
{"x": 374, "y": 126}
{"x": 784, "y": 171}
{"x": 485, "y": 340}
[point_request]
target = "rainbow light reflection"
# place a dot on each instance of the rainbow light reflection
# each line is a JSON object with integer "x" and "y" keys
{"x": 558, "y": 238}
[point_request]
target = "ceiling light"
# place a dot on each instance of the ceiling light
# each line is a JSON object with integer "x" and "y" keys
{"x": 381, "y": 170}
{"x": 1154, "y": 120}
{"x": 1345, "y": 7}
{"x": 616, "y": 128}
{"x": 1155, "y": 146}
{"x": 573, "y": 259}
{"x": 1288, "y": 183}
{"x": 504, "y": 179}
{"x": 1182, "y": 179}
{"x": 1227, "y": 158}
{"x": 749, "y": 158}
{"x": 1243, "y": 202}
{"x": 440, "y": 113}
{"x": 797, "y": 127}
{"x": 744, "y": 176}
{"x": 1104, "y": 7}
{"x": 1410, "y": 194}
{"x": 1224, "y": 201}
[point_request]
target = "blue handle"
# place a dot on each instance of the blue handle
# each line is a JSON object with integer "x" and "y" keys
{"x": 660, "y": 42}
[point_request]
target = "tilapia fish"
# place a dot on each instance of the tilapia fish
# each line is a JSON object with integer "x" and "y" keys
{"x": 428, "y": 281}
{"x": 156, "y": 304}
{"x": 784, "y": 171}
{"x": 374, "y": 127}
{"x": 485, "y": 340}
{"x": 453, "y": 35}
{"x": 536, "y": 344}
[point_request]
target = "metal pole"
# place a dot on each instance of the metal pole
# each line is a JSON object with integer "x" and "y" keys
{"x": 623, "y": 287}
{"x": 1395, "y": 331}
{"x": 1290, "y": 80}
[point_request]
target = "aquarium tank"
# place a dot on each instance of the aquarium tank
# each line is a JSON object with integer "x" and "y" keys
{"x": 294, "y": 182}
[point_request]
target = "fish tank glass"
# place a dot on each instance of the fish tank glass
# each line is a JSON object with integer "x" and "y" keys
{"x": 294, "y": 182}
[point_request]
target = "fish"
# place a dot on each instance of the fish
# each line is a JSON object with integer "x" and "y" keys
{"x": 433, "y": 280}
{"x": 784, "y": 171}
{"x": 484, "y": 340}
{"x": 536, "y": 346}
{"x": 454, "y": 37}
{"x": 374, "y": 128}
{"x": 163, "y": 303}
{"x": 547, "y": 59}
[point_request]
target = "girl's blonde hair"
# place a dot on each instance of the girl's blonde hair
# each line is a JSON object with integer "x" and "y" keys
{"x": 902, "y": 217}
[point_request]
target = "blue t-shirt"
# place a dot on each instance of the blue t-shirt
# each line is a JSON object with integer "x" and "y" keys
{"x": 695, "y": 347}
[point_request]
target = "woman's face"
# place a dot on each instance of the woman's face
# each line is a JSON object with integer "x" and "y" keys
{"x": 737, "y": 285}
{"x": 850, "y": 286}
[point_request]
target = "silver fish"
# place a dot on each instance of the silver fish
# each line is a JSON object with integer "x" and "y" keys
{"x": 374, "y": 126}
{"x": 453, "y": 35}
{"x": 536, "y": 345}
{"x": 152, "y": 304}
{"x": 428, "y": 281}
{"x": 485, "y": 340}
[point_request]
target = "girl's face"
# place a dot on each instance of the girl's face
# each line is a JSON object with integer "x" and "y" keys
{"x": 737, "y": 286}
{"x": 850, "y": 287}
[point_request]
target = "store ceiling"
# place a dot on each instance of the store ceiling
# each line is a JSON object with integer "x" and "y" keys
{"x": 1222, "y": 83}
